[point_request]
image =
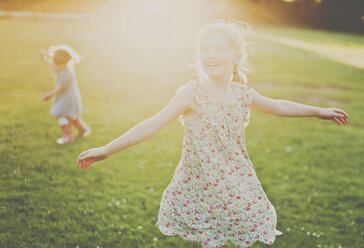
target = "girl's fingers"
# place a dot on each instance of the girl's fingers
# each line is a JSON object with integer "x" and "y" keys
{"x": 84, "y": 155}
{"x": 345, "y": 114}
{"x": 346, "y": 120}
{"x": 342, "y": 112}
{"x": 79, "y": 158}
{"x": 86, "y": 158}
{"x": 342, "y": 120}
{"x": 86, "y": 163}
{"x": 335, "y": 120}
{"x": 339, "y": 116}
{"x": 81, "y": 164}
{"x": 89, "y": 162}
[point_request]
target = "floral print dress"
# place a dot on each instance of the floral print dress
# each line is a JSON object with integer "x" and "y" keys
{"x": 215, "y": 195}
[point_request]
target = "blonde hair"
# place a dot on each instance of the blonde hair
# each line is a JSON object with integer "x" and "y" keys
{"x": 236, "y": 33}
{"x": 69, "y": 55}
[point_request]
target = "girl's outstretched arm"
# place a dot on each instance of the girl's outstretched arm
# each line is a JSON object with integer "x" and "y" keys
{"x": 291, "y": 109}
{"x": 44, "y": 58}
{"x": 179, "y": 104}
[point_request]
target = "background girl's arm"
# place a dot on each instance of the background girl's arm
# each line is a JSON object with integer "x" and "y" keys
{"x": 178, "y": 105}
{"x": 291, "y": 109}
{"x": 54, "y": 92}
{"x": 44, "y": 58}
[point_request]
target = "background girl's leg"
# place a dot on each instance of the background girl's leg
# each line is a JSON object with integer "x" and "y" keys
{"x": 66, "y": 128}
{"x": 83, "y": 129}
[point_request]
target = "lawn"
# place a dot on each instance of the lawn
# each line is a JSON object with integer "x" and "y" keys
{"x": 311, "y": 169}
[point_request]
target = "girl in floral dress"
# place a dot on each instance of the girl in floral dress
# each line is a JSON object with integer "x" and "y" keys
{"x": 215, "y": 195}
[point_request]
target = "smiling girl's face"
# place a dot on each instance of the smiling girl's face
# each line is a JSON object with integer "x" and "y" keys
{"x": 218, "y": 56}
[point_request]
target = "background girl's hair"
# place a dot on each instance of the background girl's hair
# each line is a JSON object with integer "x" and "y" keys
{"x": 75, "y": 57}
{"x": 236, "y": 33}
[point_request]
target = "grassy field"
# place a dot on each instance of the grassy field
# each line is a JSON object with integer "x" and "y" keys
{"x": 311, "y": 169}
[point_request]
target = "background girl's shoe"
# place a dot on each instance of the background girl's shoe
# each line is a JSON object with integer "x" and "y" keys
{"x": 67, "y": 134}
{"x": 65, "y": 140}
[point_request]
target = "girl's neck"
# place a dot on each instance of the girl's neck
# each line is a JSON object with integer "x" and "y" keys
{"x": 61, "y": 67}
{"x": 221, "y": 83}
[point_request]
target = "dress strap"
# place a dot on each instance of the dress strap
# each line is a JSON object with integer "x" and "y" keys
{"x": 201, "y": 98}
{"x": 245, "y": 93}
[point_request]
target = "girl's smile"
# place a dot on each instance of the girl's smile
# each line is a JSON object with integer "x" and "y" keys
{"x": 217, "y": 56}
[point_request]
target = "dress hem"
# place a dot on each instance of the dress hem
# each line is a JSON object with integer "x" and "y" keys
{"x": 269, "y": 242}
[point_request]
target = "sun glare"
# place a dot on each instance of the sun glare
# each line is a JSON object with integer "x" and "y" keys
{"x": 156, "y": 35}
{"x": 156, "y": 7}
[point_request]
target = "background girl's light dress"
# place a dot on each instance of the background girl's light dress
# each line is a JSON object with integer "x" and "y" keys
{"x": 215, "y": 195}
{"x": 68, "y": 102}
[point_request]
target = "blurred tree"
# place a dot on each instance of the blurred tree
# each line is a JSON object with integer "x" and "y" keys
{"x": 342, "y": 15}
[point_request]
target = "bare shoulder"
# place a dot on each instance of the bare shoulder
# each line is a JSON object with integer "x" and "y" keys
{"x": 254, "y": 93}
{"x": 187, "y": 88}
{"x": 252, "y": 90}
{"x": 186, "y": 93}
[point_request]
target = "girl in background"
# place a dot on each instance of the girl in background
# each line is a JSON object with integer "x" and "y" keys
{"x": 67, "y": 103}
{"x": 215, "y": 196}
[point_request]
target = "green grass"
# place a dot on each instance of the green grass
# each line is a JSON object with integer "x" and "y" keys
{"x": 47, "y": 201}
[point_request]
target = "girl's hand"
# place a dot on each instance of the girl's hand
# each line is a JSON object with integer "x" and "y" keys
{"x": 42, "y": 53}
{"x": 47, "y": 96}
{"x": 86, "y": 158}
{"x": 337, "y": 115}
{"x": 45, "y": 58}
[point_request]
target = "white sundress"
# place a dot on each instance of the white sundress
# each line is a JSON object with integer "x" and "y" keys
{"x": 215, "y": 195}
{"x": 68, "y": 102}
